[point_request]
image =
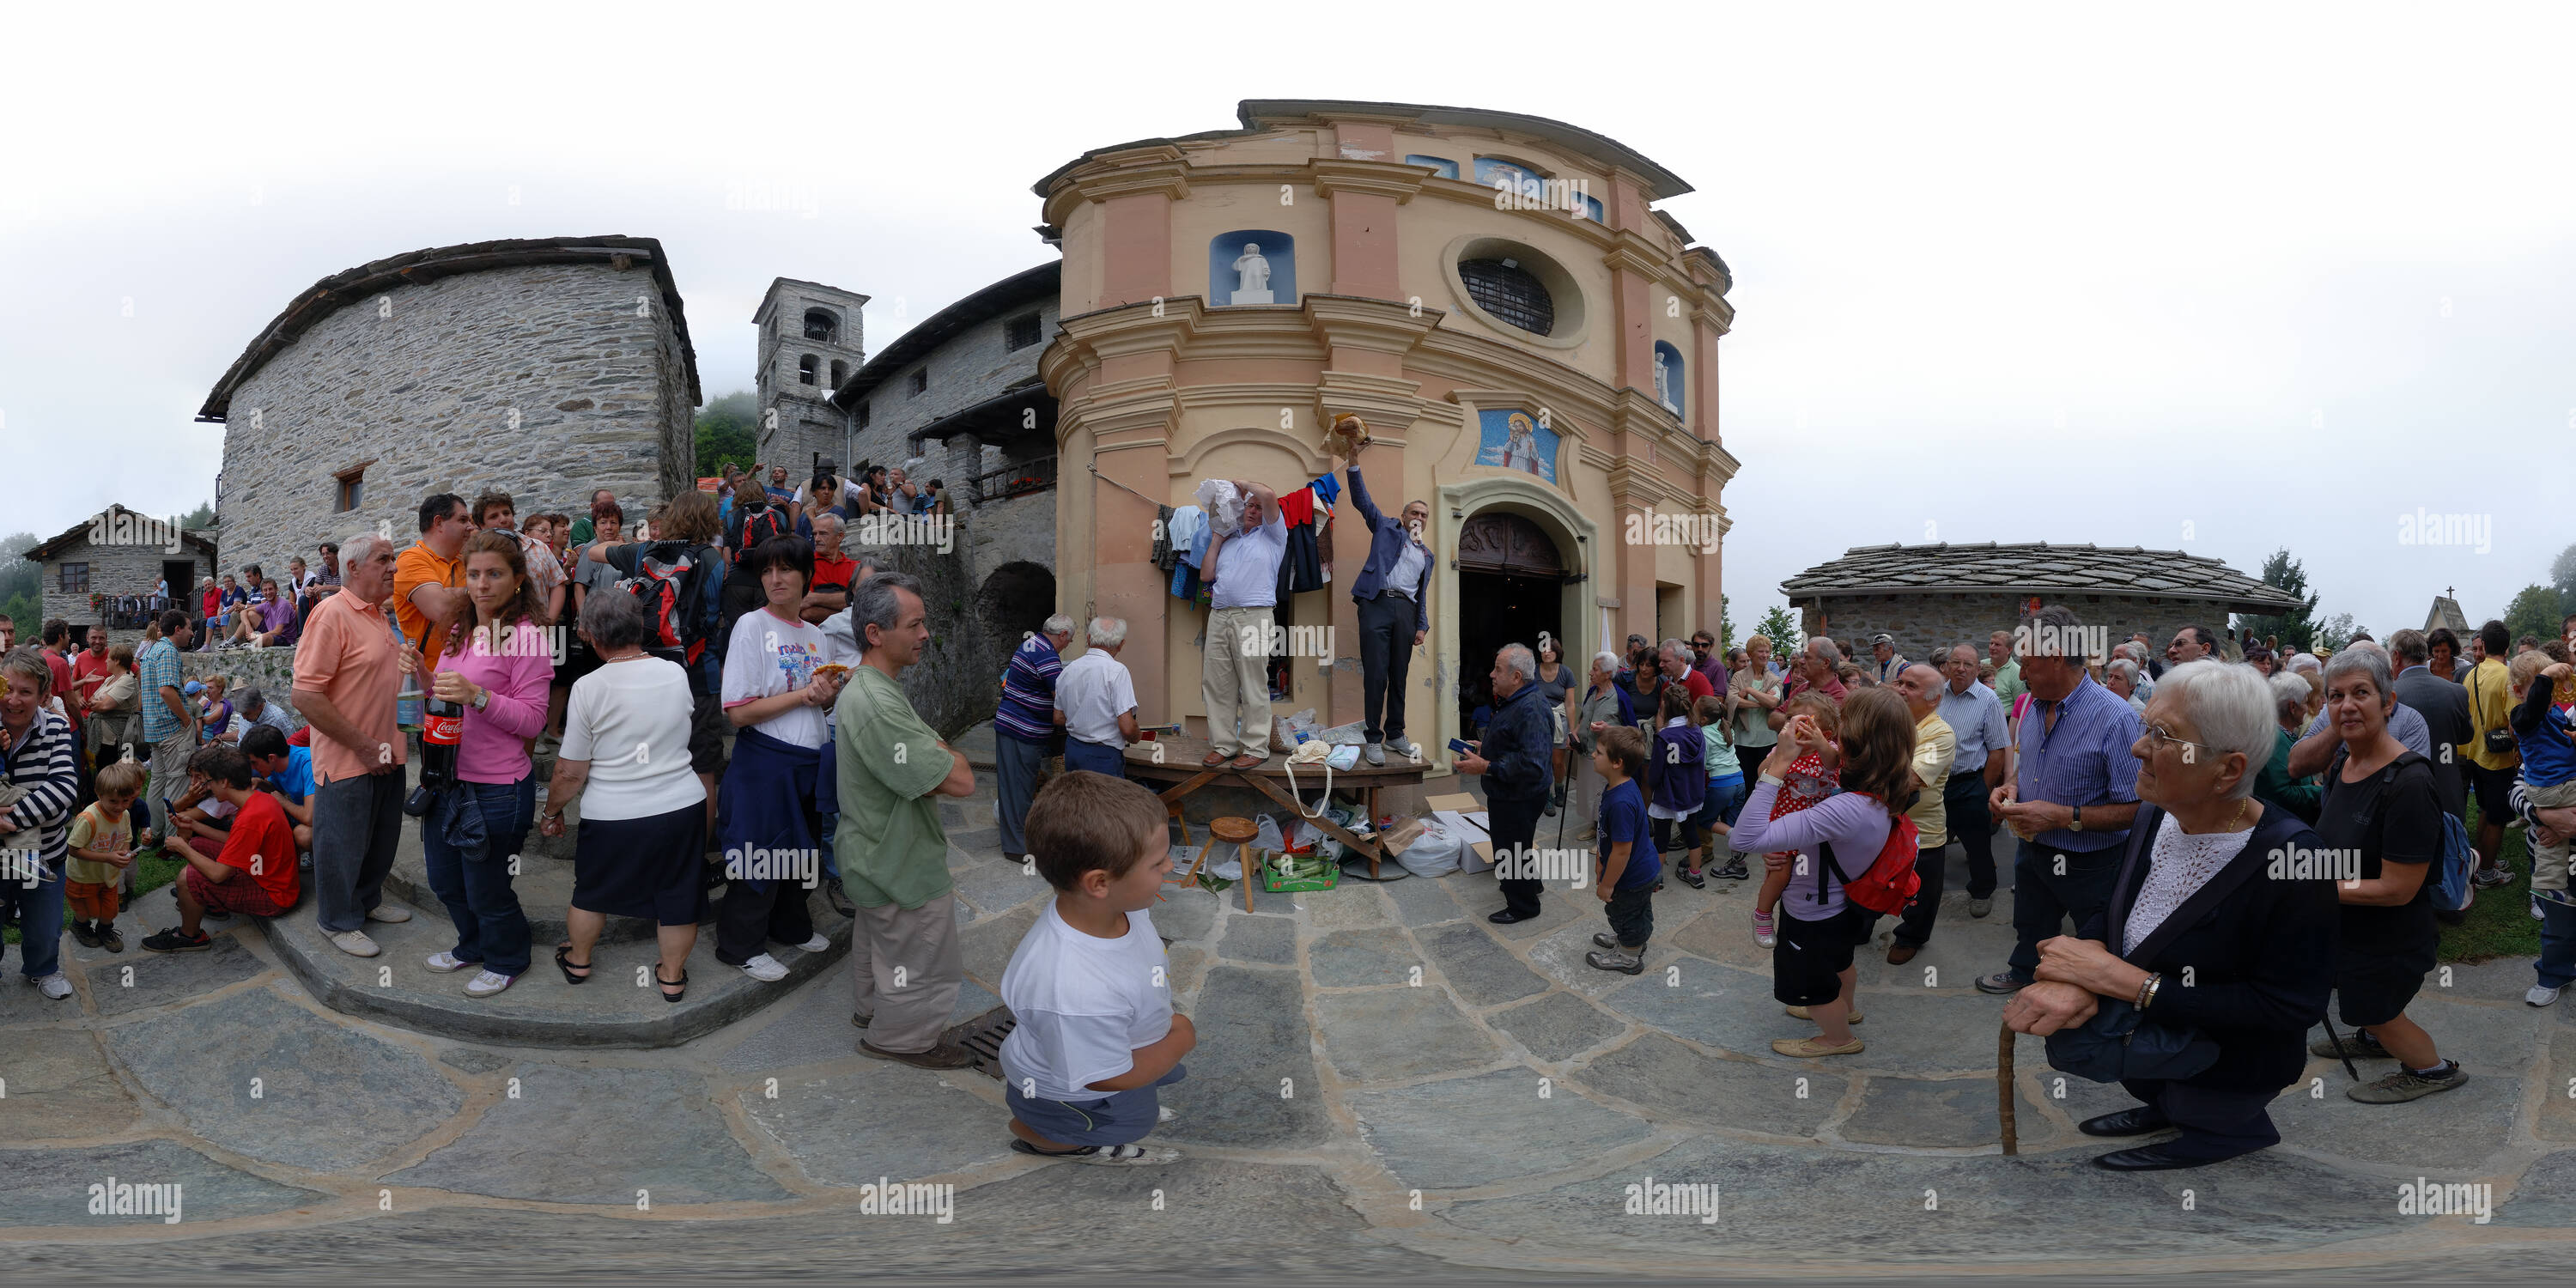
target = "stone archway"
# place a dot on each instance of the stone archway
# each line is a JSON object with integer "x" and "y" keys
{"x": 1013, "y": 603}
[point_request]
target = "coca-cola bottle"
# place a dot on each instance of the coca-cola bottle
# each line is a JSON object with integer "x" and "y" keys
{"x": 442, "y": 727}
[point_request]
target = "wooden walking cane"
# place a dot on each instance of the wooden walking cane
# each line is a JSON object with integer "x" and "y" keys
{"x": 2004, "y": 1089}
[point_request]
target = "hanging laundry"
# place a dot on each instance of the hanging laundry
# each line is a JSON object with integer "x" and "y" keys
{"x": 1223, "y": 504}
{"x": 1164, "y": 555}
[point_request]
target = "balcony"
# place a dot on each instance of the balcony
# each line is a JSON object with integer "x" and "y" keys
{"x": 1015, "y": 480}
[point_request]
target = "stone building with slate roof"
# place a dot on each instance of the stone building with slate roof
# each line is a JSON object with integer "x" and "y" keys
{"x": 1938, "y": 595}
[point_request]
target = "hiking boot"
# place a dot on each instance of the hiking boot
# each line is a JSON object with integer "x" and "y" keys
{"x": 946, "y": 1055}
{"x": 1618, "y": 959}
{"x": 2359, "y": 1044}
{"x": 1734, "y": 869}
{"x": 86, "y": 937}
{"x": 115, "y": 943}
{"x": 1605, "y": 939}
{"x": 2404, "y": 1085}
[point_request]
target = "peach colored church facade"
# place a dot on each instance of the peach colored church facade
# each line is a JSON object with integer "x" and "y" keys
{"x": 1165, "y": 379}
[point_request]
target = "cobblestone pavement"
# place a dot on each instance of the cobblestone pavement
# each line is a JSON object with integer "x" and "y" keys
{"x": 1385, "y": 1084}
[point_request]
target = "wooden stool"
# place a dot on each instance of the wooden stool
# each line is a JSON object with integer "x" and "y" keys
{"x": 1238, "y": 831}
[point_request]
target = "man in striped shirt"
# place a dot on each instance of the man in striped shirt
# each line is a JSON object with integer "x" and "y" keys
{"x": 37, "y": 771}
{"x": 1024, "y": 727}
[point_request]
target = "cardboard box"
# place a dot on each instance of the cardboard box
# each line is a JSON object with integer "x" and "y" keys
{"x": 1459, "y": 801}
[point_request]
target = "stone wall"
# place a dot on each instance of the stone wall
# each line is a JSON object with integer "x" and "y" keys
{"x": 1921, "y": 622}
{"x": 271, "y": 670}
{"x": 543, "y": 381}
{"x": 807, "y": 422}
{"x": 113, "y": 571}
{"x": 972, "y": 367}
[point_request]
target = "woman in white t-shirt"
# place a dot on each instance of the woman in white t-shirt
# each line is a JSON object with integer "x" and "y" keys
{"x": 642, "y": 849}
{"x": 778, "y": 697}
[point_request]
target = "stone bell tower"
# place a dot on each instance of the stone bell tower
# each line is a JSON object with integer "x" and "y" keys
{"x": 810, "y": 342}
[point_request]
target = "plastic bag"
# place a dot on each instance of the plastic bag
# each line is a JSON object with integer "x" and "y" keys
{"x": 1354, "y": 734}
{"x": 1436, "y": 853}
{"x": 1223, "y": 504}
{"x": 1267, "y": 836}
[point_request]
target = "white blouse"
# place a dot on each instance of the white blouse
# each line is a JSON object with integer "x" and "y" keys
{"x": 2179, "y": 865}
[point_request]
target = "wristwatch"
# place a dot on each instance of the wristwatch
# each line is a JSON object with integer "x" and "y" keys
{"x": 482, "y": 699}
{"x": 2077, "y": 823}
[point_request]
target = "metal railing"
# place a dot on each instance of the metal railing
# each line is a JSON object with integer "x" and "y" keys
{"x": 1021, "y": 479}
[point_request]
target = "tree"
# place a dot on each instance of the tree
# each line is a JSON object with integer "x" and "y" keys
{"x": 2533, "y": 612}
{"x": 203, "y": 516}
{"x": 2298, "y": 630}
{"x": 20, "y": 597}
{"x": 2332, "y": 634}
{"x": 1725, "y": 625}
{"x": 1780, "y": 628}
{"x": 725, "y": 433}
{"x": 2562, "y": 574}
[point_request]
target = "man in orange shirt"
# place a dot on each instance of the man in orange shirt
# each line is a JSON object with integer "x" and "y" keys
{"x": 347, "y": 668}
{"x": 429, "y": 578}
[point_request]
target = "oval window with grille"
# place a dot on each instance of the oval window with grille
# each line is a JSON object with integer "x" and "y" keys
{"x": 1509, "y": 292}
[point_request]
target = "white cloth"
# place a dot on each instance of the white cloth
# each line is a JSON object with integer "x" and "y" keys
{"x": 2178, "y": 866}
{"x": 841, "y": 640}
{"x": 1222, "y": 504}
{"x": 630, "y": 720}
{"x": 1247, "y": 571}
{"x": 768, "y": 656}
{"x": 1406, "y": 576}
{"x": 1092, "y": 692}
{"x": 1084, "y": 1005}
{"x": 1187, "y": 529}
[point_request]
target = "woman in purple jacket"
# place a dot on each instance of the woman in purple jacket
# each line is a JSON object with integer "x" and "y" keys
{"x": 1811, "y": 964}
{"x": 1678, "y": 769}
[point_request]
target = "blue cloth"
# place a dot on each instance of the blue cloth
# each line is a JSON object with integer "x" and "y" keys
{"x": 158, "y": 668}
{"x": 2085, "y": 760}
{"x": 1520, "y": 741}
{"x": 1978, "y": 720}
{"x": 1725, "y": 802}
{"x": 1185, "y": 581}
{"x": 1116, "y": 1118}
{"x": 1028, "y": 692}
{"x": 1387, "y": 540}
{"x": 1679, "y": 768}
{"x": 295, "y": 782}
{"x": 1189, "y": 532}
{"x": 766, "y": 802}
{"x": 1099, "y": 758}
{"x": 1623, "y": 818}
{"x": 38, "y": 911}
{"x": 2548, "y": 752}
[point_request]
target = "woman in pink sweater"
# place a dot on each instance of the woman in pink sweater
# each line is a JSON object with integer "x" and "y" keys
{"x": 498, "y": 667}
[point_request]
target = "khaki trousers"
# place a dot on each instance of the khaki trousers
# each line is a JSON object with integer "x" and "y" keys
{"x": 905, "y": 968}
{"x": 1234, "y": 681}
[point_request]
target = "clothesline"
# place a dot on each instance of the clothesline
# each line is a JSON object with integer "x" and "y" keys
{"x": 1095, "y": 473}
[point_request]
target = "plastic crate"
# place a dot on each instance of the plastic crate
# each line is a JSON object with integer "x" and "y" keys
{"x": 1274, "y": 884}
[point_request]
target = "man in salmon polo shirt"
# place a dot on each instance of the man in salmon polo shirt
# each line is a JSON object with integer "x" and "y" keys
{"x": 347, "y": 668}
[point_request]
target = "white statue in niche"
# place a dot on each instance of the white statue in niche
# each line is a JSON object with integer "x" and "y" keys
{"x": 1664, "y": 391}
{"x": 1251, "y": 276}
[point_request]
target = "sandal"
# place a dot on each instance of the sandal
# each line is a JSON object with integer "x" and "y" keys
{"x": 563, "y": 962}
{"x": 682, "y": 984}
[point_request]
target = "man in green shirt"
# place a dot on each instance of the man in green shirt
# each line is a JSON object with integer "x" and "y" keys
{"x": 905, "y": 966}
{"x": 2008, "y": 685}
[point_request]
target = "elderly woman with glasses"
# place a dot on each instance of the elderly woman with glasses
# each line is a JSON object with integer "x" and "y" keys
{"x": 2206, "y": 931}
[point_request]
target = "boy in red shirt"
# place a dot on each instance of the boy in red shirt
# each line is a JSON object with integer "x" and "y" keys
{"x": 254, "y": 874}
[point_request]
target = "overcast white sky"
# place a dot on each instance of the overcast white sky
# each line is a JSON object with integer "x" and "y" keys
{"x": 2218, "y": 279}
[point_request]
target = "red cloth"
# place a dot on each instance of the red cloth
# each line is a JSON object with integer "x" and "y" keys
{"x": 262, "y": 846}
{"x": 1297, "y": 509}
{"x": 88, "y": 672}
{"x": 302, "y": 737}
{"x": 834, "y": 574}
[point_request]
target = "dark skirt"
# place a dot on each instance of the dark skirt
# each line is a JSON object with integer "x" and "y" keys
{"x": 653, "y": 867}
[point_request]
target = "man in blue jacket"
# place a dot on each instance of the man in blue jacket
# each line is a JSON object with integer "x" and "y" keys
{"x": 1516, "y": 759}
{"x": 1392, "y": 590}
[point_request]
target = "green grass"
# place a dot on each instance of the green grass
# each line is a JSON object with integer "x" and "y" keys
{"x": 153, "y": 870}
{"x": 2499, "y": 923}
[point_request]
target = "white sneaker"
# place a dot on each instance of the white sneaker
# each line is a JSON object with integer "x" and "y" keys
{"x": 764, "y": 968}
{"x": 815, "y": 945}
{"x": 56, "y": 986}
{"x": 2540, "y": 994}
{"x": 445, "y": 963}
{"x": 355, "y": 943}
{"x": 390, "y": 914}
{"x": 487, "y": 983}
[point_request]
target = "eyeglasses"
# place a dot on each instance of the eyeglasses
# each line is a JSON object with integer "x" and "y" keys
{"x": 2158, "y": 736}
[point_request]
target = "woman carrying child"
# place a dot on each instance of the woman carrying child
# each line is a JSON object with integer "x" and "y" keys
{"x": 1811, "y": 779}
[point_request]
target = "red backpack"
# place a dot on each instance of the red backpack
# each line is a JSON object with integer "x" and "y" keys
{"x": 664, "y": 573}
{"x": 769, "y": 523}
{"x": 1891, "y": 882}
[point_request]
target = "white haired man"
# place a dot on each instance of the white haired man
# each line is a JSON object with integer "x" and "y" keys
{"x": 347, "y": 666}
{"x": 1515, "y": 756}
{"x": 1095, "y": 698}
{"x": 1024, "y": 727}
{"x": 1234, "y": 675}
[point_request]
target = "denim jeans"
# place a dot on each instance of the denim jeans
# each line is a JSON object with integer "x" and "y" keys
{"x": 39, "y": 912}
{"x": 2557, "y": 964}
{"x": 491, "y": 930}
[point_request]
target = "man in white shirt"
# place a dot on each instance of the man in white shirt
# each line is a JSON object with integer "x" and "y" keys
{"x": 1234, "y": 680}
{"x": 1098, "y": 699}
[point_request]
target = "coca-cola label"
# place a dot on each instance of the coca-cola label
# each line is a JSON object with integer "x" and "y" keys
{"x": 443, "y": 730}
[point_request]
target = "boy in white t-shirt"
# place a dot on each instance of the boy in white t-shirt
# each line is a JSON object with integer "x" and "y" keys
{"x": 1089, "y": 985}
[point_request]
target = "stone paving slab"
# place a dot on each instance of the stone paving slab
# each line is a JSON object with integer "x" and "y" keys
{"x": 1934, "y": 1113}
{"x": 883, "y": 1121}
{"x": 58, "y": 1084}
{"x": 1711, "y": 1006}
{"x": 1427, "y": 901}
{"x": 1188, "y": 963}
{"x": 150, "y": 979}
{"x": 1352, "y": 905}
{"x": 987, "y": 945}
{"x": 1362, "y": 958}
{"x": 1559, "y": 956}
{"x": 994, "y": 885}
{"x": 1677, "y": 1086}
{"x": 2484, "y": 1039}
{"x": 816, "y": 1027}
{"x": 1722, "y": 933}
{"x": 1252, "y": 1035}
{"x": 1864, "y": 1208}
{"x": 330, "y": 1097}
{"x": 1259, "y": 938}
{"x": 2546, "y": 1195}
{"x": 1400, "y": 1033}
{"x": 51, "y": 1187}
{"x": 1468, "y": 1132}
{"x": 2557, "y": 1107}
{"x": 2461, "y": 1128}
{"x": 21, "y": 1003}
{"x": 1186, "y": 913}
{"x": 1483, "y": 972}
{"x": 1557, "y": 1027}
{"x": 1961, "y": 949}
{"x": 579, "y": 1135}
